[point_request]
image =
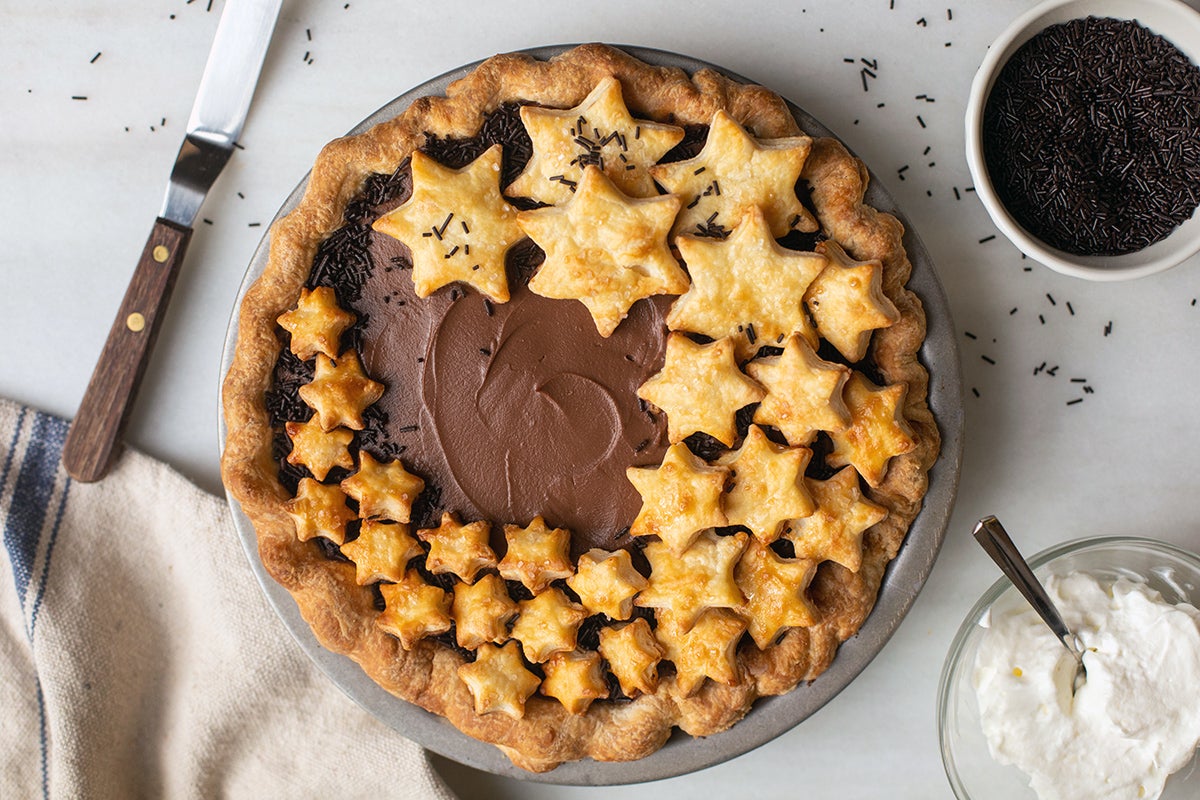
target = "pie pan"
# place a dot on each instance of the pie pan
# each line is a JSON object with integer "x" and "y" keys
{"x": 771, "y": 716}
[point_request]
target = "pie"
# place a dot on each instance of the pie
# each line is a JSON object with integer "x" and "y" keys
{"x": 582, "y": 403}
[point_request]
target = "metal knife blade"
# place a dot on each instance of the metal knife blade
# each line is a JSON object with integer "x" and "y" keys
{"x": 226, "y": 88}
{"x": 217, "y": 117}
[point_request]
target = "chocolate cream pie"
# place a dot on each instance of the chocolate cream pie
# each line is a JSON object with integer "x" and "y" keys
{"x": 582, "y": 403}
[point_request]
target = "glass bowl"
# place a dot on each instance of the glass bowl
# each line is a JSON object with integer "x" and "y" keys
{"x": 969, "y": 766}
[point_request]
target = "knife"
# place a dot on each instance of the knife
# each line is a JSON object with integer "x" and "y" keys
{"x": 234, "y": 63}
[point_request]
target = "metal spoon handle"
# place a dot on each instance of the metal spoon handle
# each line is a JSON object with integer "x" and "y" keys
{"x": 995, "y": 541}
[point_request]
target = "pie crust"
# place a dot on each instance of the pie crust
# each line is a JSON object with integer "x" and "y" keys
{"x": 343, "y": 614}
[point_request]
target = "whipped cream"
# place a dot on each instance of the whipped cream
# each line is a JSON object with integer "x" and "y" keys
{"x": 1135, "y": 721}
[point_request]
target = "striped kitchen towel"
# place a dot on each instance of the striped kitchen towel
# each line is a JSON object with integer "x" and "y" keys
{"x": 139, "y": 658}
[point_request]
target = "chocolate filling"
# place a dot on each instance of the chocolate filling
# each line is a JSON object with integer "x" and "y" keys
{"x": 506, "y": 410}
{"x": 516, "y": 409}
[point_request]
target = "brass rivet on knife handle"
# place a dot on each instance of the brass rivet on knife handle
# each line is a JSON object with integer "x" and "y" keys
{"x": 109, "y": 395}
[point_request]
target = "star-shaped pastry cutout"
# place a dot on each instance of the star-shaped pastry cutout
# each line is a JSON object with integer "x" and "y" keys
{"x": 547, "y": 624}
{"x": 498, "y": 680}
{"x": 319, "y": 510}
{"x": 457, "y": 225}
{"x": 680, "y": 498}
{"x": 848, "y": 303}
{"x": 804, "y": 392}
{"x": 385, "y": 491}
{"x": 459, "y": 549}
{"x": 699, "y": 578}
{"x": 382, "y": 551}
{"x": 413, "y": 609}
{"x": 536, "y": 554}
{"x": 735, "y": 170}
{"x": 605, "y": 249}
{"x": 700, "y": 388}
{"x": 599, "y": 131}
{"x": 319, "y": 450}
{"x": 575, "y": 679}
{"x": 747, "y": 287}
{"x": 877, "y": 429}
{"x": 607, "y": 583}
{"x": 632, "y": 654}
{"x": 834, "y": 532}
{"x": 775, "y": 592}
{"x": 767, "y": 485}
{"x": 707, "y": 649}
{"x": 316, "y": 323}
{"x": 339, "y": 391}
{"x": 481, "y": 612}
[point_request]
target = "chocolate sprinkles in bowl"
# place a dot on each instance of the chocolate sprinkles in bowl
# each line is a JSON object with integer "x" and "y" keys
{"x": 1083, "y": 135}
{"x": 1091, "y": 136}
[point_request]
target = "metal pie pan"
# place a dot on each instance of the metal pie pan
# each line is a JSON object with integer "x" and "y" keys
{"x": 771, "y": 716}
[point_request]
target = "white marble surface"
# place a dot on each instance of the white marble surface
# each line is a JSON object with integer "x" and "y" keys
{"x": 79, "y": 194}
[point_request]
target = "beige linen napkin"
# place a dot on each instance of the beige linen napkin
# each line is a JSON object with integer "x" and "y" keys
{"x": 139, "y": 657}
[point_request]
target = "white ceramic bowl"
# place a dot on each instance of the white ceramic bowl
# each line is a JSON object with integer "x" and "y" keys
{"x": 1174, "y": 20}
{"x": 972, "y": 772}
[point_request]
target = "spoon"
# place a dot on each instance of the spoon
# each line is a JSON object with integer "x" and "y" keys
{"x": 994, "y": 539}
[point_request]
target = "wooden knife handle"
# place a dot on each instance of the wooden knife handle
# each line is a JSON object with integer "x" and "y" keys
{"x": 110, "y": 393}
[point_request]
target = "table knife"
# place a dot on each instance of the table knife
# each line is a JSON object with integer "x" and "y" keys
{"x": 234, "y": 63}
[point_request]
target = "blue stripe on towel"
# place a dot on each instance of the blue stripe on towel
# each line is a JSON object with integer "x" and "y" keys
{"x": 38, "y": 470}
{"x": 41, "y": 583}
{"x": 31, "y": 497}
{"x": 12, "y": 447}
{"x": 43, "y": 740}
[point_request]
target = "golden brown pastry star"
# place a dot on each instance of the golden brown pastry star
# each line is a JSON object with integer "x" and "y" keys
{"x": 317, "y": 449}
{"x": 575, "y": 679}
{"x": 382, "y": 551}
{"x": 498, "y": 680}
{"x": 605, "y": 249}
{"x": 536, "y": 554}
{"x": 699, "y": 578}
{"x": 680, "y": 498}
{"x": 386, "y": 491}
{"x": 316, "y": 323}
{"x": 481, "y": 612}
{"x": 775, "y": 592}
{"x": 877, "y": 429}
{"x": 459, "y": 549}
{"x": 848, "y": 303}
{"x": 700, "y": 388}
{"x": 835, "y": 530}
{"x": 767, "y": 485}
{"x": 547, "y": 623}
{"x": 319, "y": 510}
{"x": 598, "y": 131}
{"x": 804, "y": 392}
{"x": 707, "y": 649}
{"x": 734, "y": 171}
{"x": 457, "y": 225}
{"x": 747, "y": 287}
{"x": 607, "y": 582}
{"x": 413, "y": 609}
{"x": 632, "y": 654}
{"x": 339, "y": 391}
